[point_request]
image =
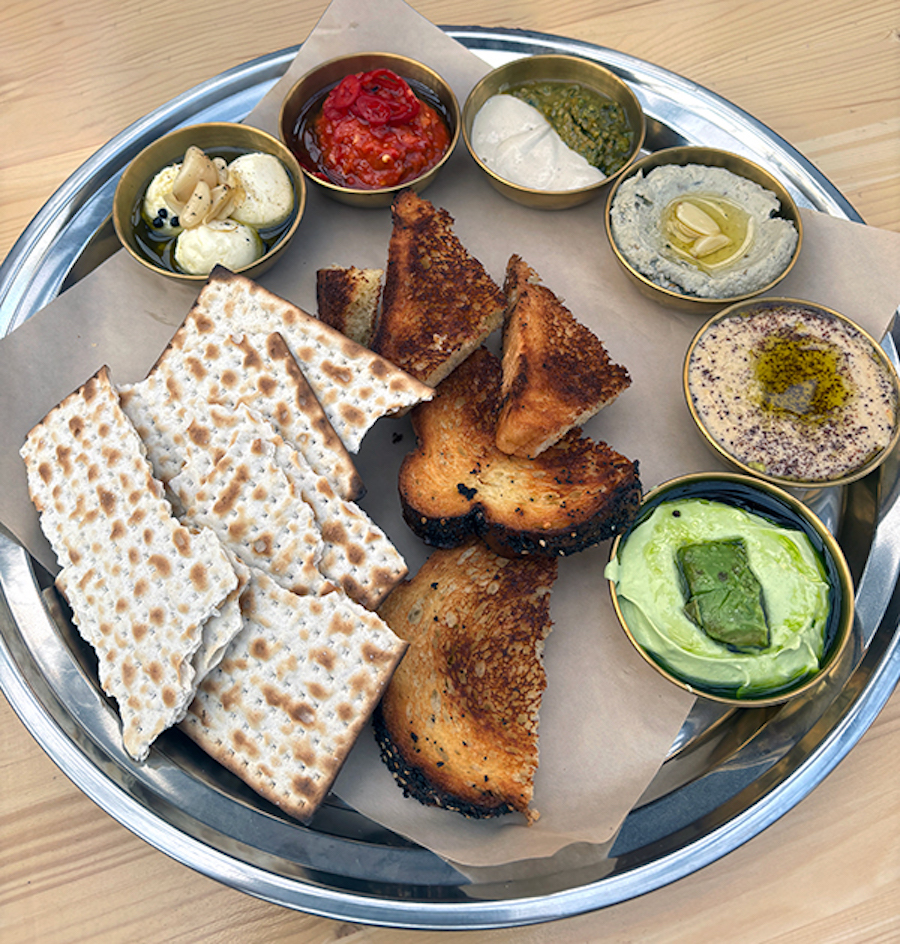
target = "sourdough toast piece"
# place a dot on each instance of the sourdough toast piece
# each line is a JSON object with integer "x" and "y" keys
{"x": 556, "y": 372}
{"x": 141, "y": 585}
{"x": 458, "y": 724}
{"x": 438, "y": 302}
{"x": 287, "y": 702}
{"x": 347, "y": 300}
{"x": 354, "y": 385}
{"x": 457, "y": 483}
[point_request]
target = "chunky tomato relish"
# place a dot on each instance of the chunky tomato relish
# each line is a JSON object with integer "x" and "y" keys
{"x": 374, "y": 132}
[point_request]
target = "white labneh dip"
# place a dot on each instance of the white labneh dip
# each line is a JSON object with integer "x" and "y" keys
{"x": 518, "y": 144}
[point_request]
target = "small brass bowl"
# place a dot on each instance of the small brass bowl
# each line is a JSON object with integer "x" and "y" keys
{"x": 673, "y": 297}
{"x": 553, "y": 68}
{"x": 303, "y": 101}
{"x": 216, "y": 139}
{"x": 776, "y": 505}
{"x": 771, "y": 421}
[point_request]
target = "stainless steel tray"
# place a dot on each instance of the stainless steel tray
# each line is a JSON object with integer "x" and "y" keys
{"x": 727, "y": 777}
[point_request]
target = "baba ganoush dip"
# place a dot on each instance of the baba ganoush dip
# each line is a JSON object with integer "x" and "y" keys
{"x": 792, "y": 392}
{"x": 701, "y": 231}
{"x": 651, "y": 595}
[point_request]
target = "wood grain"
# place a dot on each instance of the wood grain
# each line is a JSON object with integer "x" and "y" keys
{"x": 824, "y": 75}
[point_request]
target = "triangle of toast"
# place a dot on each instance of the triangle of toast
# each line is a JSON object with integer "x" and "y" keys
{"x": 556, "y": 372}
{"x": 438, "y": 302}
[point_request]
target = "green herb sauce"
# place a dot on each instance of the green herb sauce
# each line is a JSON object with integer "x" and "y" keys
{"x": 590, "y": 123}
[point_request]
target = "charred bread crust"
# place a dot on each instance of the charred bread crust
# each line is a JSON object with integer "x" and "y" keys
{"x": 509, "y": 541}
{"x": 415, "y": 783}
{"x": 458, "y": 723}
{"x": 347, "y": 300}
{"x": 457, "y": 483}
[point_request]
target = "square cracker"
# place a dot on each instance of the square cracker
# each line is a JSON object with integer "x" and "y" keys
{"x": 140, "y": 584}
{"x": 294, "y": 690}
{"x": 233, "y": 369}
{"x": 357, "y": 554}
{"x": 244, "y": 496}
{"x": 354, "y": 385}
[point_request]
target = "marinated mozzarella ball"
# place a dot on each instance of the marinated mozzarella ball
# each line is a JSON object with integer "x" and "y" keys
{"x": 518, "y": 143}
{"x": 268, "y": 194}
{"x": 163, "y": 220}
{"x": 222, "y": 242}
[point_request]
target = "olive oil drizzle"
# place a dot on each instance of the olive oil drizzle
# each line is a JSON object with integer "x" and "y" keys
{"x": 721, "y": 219}
{"x": 801, "y": 376}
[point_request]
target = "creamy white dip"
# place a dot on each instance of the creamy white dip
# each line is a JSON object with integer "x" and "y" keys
{"x": 741, "y": 385}
{"x": 518, "y": 144}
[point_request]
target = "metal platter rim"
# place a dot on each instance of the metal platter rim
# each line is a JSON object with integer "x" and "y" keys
{"x": 39, "y": 238}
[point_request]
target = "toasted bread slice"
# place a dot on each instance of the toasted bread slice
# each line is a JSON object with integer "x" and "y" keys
{"x": 556, "y": 372}
{"x": 438, "y": 303}
{"x": 347, "y": 300}
{"x": 457, "y": 482}
{"x": 458, "y": 724}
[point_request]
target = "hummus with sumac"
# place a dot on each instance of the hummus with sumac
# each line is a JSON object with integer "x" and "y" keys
{"x": 792, "y": 392}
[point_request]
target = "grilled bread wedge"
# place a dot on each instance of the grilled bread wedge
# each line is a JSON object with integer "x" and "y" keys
{"x": 457, "y": 483}
{"x": 458, "y": 724}
{"x": 347, "y": 300}
{"x": 438, "y": 302}
{"x": 556, "y": 372}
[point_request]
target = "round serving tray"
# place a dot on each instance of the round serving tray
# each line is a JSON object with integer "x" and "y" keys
{"x": 727, "y": 777}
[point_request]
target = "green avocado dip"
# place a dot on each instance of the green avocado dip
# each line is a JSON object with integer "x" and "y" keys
{"x": 761, "y": 588}
{"x": 590, "y": 123}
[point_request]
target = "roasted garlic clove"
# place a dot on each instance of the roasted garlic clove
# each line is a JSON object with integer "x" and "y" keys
{"x": 707, "y": 245}
{"x": 221, "y": 166}
{"x": 196, "y": 167}
{"x": 197, "y": 206}
{"x": 695, "y": 220}
{"x": 225, "y": 199}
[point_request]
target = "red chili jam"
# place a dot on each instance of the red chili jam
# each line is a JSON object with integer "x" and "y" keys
{"x": 374, "y": 132}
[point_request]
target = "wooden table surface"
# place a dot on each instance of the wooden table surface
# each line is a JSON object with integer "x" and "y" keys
{"x": 824, "y": 74}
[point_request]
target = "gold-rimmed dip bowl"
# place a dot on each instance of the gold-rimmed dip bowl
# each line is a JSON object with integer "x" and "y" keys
{"x": 697, "y": 228}
{"x": 303, "y": 103}
{"x": 793, "y": 393}
{"x": 154, "y": 247}
{"x": 557, "y": 70}
{"x": 797, "y": 568}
